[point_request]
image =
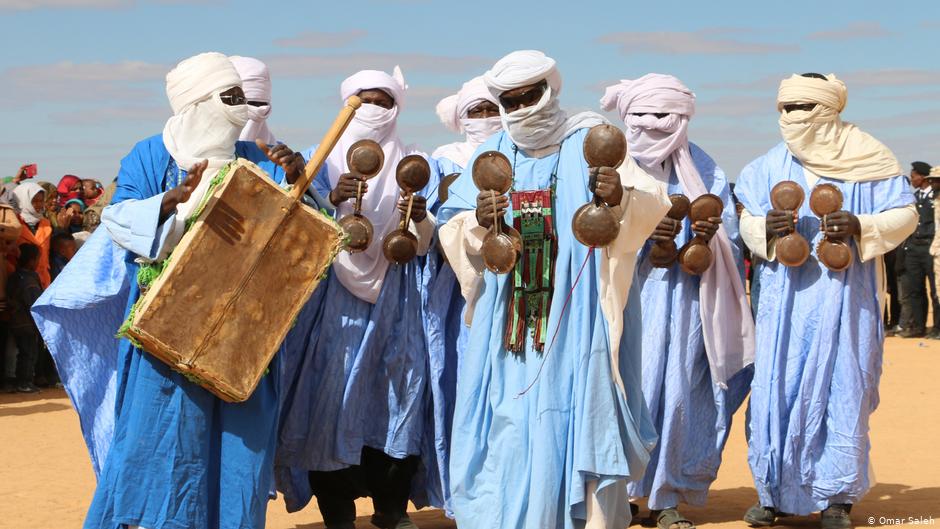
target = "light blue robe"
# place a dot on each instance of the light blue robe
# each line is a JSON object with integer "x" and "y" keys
{"x": 178, "y": 456}
{"x": 819, "y": 351}
{"x": 447, "y": 338}
{"x": 691, "y": 413}
{"x": 523, "y": 461}
{"x": 361, "y": 379}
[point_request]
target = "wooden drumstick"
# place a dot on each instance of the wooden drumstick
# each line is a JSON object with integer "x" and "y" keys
{"x": 333, "y": 135}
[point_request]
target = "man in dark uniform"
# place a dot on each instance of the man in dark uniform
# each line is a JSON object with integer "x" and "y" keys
{"x": 918, "y": 264}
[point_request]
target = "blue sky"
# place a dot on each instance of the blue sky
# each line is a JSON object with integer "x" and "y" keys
{"x": 82, "y": 80}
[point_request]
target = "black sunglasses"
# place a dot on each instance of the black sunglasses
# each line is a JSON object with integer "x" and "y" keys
{"x": 529, "y": 97}
{"x": 233, "y": 99}
{"x": 799, "y": 106}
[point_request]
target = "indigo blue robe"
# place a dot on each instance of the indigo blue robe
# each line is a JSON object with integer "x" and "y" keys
{"x": 359, "y": 380}
{"x": 819, "y": 352}
{"x": 446, "y": 335}
{"x": 178, "y": 456}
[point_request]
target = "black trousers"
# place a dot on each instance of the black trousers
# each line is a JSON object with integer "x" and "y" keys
{"x": 918, "y": 273}
{"x": 893, "y": 309}
{"x": 385, "y": 479}
{"x": 28, "y": 345}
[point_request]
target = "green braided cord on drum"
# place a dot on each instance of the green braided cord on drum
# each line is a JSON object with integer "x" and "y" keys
{"x": 190, "y": 376}
{"x": 124, "y": 331}
{"x": 218, "y": 179}
{"x": 342, "y": 243}
{"x": 148, "y": 273}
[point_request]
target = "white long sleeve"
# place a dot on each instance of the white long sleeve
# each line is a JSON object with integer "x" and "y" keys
{"x": 135, "y": 226}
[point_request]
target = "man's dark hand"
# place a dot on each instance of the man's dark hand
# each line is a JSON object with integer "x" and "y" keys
{"x": 666, "y": 230}
{"x": 841, "y": 225}
{"x": 780, "y": 222}
{"x": 292, "y": 162}
{"x": 486, "y": 201}
{"x": 419, "y": 207}
{"x": 181, "y": 193}
{"x": 347, "y": 187}
{"x": 706, "y": 229}
{"x": 608, "y": 187}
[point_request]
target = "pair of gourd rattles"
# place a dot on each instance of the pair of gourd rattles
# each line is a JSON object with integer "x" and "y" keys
{"x": 695, "y": 256}
{"x": 792, "y": 248}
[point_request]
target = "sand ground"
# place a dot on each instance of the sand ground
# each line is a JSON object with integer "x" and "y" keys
{"x": 46, "y": 481}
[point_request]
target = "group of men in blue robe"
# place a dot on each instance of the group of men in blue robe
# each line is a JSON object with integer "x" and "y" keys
{"x": 442, "y": 382}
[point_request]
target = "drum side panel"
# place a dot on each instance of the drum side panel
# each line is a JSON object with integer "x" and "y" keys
{"x": 262, "y": 312}
{"x": 192, "y": 294}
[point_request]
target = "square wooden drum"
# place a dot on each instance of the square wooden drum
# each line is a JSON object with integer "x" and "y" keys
{"x": 220, "y": 309}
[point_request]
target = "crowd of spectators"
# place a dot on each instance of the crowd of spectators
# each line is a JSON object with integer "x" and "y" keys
{"x": 42, "y": 225}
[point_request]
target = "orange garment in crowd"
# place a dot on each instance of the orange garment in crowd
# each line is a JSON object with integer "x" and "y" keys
{"x": 43, "y": 239}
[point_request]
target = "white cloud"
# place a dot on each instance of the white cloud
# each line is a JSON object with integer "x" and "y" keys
{"x": 285, "y": 66}
{"x": 891, "y": 77}
{"x": 28, "y": 5}
{"x": 910, "y": 98}
{"x": 852, "y": 31}
{"x": 322, "y": 39}
{"x": 715, "y": 41}
{"x": 855, "y": 79}
{"x": 112, "y": 114}
{"x": 74, "y": 83}
{"x": 736, "y": 106}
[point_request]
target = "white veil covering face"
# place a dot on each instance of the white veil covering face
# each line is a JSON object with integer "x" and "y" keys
{"x": 453, "y": 111}
{"x": 202, "y": 126}
{"x": 544, "y": 124}
{"x": 363, "y": 273}
{"x": 256, "y": 83}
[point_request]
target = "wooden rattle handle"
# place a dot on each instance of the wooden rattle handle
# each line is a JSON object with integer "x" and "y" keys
{"x": 333, "y": 135}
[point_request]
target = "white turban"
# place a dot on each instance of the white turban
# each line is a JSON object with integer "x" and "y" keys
{"x": 256, "y": 83}
{"x": 453, "y": 111}
{"x": 196, "y": 78}
{"x": 822, "y": 142}
{"x": 829, "y": 92}
{"x": 544, "y": 124}
{"x": 393, "y": 84}
{"x": 202, "y": 126}
{"x": 522, "y": 68}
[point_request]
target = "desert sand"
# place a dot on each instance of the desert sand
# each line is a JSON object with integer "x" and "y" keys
{"x": 46, "y": 481}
